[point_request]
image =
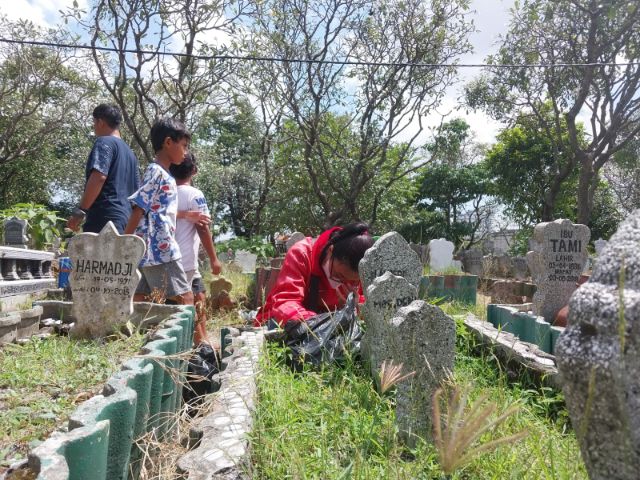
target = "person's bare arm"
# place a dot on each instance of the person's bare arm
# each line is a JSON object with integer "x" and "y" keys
{"x": 134, "y": 220}
{"x": 207, "y": 242}
{"x": 91, "y": 191}
{"x": 195, "y": 216}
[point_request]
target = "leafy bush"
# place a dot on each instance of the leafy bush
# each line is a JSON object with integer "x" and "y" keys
{"x": 43, "y": 225}
{"x": 255, "y": 245}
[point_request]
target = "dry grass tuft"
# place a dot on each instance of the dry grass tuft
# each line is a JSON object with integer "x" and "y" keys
{"x": 391, "y": 375}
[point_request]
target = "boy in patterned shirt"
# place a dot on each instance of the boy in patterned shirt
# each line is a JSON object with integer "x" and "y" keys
{"x": 153, "y": 217}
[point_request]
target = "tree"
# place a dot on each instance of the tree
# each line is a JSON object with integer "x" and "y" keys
{"x": 382, "y": 105}
{"x": 526, "y": 173}
{"x": 593, "y": 51}
{"x": 43, "y": 96}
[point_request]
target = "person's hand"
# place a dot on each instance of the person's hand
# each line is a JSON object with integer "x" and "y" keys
{"x": 197, "y": 217}
{"x": 73, "y": 223}
{"x": 216, "y": 266}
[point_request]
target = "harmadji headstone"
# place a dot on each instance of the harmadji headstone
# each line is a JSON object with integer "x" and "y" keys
{"x": 558, "y": 258}
{"x": 424, "y": 341}
{"x": 598, "y": 358}
{"x": 520, "y": 269}
{"x": 383, "y": 299}
{"x": 390, "y": 253}
{"x": 103, "y": 279}
{"x": 294, "y": 238}
{"x": 440, "y": 254}
{"x": 472, "y": 261}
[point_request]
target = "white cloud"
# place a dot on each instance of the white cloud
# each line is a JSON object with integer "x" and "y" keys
{"x": 40, "y": 12}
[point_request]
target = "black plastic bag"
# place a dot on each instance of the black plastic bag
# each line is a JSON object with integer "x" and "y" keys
{"x": 203, "y": 365}
{"x": 325, "y": 337}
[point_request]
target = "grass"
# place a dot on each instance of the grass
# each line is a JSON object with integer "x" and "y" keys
{"x": 42, "y": 381}
{"x": 331, "y": 423}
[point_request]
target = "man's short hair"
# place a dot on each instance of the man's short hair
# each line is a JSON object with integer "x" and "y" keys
{"x": 167, "y": 127}
{"x": 109, "y": 113}
{"x": 186, "y": 169}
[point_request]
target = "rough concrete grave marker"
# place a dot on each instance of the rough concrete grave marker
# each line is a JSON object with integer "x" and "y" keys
{"x": 472, "y": 261}
{"x": 15, "y": 232}
{"x": 520, "y": 268}
{"x": 599, "y": 246}
{"x": 440, "y": 254}
{"x": 246, "y": 261}
{"x": 424, "y": 342}
{"x": 293, "y": 239}
{"x": 103, "y": 279}
{"x": 598, "y": 358}
{"x": 384, "y": 296}
{"x": 556, "y": 264}
{"x": 391, "y": 253}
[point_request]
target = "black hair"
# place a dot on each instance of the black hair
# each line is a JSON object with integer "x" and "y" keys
{"x": 167, "y": 127}
{"x": 109, "y": 113}
{"x": 186, "y": 169}
{"x": 349, "y": 244}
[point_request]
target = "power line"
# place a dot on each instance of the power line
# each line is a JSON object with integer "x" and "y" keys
{"x": 254, "y": 58}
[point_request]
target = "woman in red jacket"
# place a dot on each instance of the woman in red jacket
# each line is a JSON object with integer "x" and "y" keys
{"x": 317, "y": 275}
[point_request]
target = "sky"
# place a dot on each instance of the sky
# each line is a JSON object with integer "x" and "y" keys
{"x": 490, "y": 17}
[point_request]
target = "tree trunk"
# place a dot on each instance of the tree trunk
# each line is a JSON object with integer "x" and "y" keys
{"x": 586, "y": 188}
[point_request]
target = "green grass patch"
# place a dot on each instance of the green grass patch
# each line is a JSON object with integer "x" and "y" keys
{"x": 42, "y": 381}
{"x": 332, "y": 424}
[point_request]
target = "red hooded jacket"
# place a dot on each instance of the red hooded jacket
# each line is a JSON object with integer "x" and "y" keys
{"x": 287, "y": 300}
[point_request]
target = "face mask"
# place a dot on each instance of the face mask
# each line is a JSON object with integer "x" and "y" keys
{"x": 326, "y": 268}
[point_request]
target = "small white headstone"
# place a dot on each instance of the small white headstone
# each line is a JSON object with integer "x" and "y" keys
{"x": 293, "y": 239}
{"x": 440, "y": 254}
{"x": 391, "y": 253}
{"x": 246, "y": 261}
{"x": 103, "y": 279}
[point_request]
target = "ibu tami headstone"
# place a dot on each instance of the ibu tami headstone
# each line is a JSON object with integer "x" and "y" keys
{"x": 556, "y": 263}
{"x": 246, "y": 261}
{"x": 293, "y": 239}
{"x": 598, "y": 358}
{"x": 383, "y": 298}
{"x": 15, "y": 233}
{"x": 440, "y": 254}
{"x": 103, "y": 279}
{"x": 390, "y": 253}
{"x": 424, "y": 341}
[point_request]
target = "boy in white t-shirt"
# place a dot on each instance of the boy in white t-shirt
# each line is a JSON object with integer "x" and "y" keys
{"x": 193, "y": 228}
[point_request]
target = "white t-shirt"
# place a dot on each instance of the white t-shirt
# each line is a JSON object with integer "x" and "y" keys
{"x": 189, "y": 198}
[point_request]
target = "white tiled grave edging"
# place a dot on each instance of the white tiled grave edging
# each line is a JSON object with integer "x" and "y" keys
{"x": 510, "y": 349}
{"x": 223, "y": 448}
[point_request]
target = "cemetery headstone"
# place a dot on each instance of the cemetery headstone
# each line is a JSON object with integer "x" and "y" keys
{"x": 599, "y": 246}
{"x": 440, "y": 254}
{"x": 556, "y": 263}
{"x": 520, "y": 268}
{"x": 103, "y": 279}
{"x": 15, "y": 232}
{"x": 383, "y": 298}
{"x": 390, "y": 253}
{"x": 472, "y": 261}
{"x": 598, "y": 358}
{"x": 246, "y": 261}
{"x": 422, "y": 251}
{"x": 293, "y": 239}
{"x": 424, "y": 342}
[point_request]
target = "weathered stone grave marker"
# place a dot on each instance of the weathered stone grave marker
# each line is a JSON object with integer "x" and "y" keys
{"x": 556, "y": 264}
{"x": 15, "y": 233}
{"x": 246, "y": 261}
{"x": 383, "y": 298}
{"x": 520, "y": 268}
{"x": 390, "y": 253}
{"x": 103, "y": 279}
{"x": 599, "y": 246}
{"x": 424, "y": 341}
{"x": 293, "y": 239}
{"x": 472, "y": 261}
{"x": 598, "y": 358}
{"x": 440, "y": 254}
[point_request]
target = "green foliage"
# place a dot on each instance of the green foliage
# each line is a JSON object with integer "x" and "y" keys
{"x": 42, "y": 380}
{"x": 256, "y": 245}
{"x": 43, "y": 225}
{"x": 520, "y": 243}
